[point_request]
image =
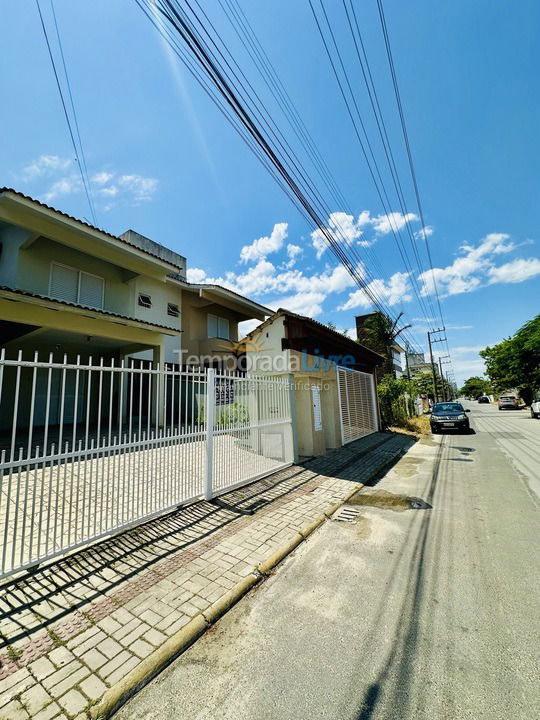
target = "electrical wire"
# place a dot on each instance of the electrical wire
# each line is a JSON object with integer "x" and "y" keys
{"x": 393, "y": 74}
{"x": 374, "y": 171}
{"x": 66, "y": 114}
{"x": 238, "y": 98}
{"x": 206, "y": 59}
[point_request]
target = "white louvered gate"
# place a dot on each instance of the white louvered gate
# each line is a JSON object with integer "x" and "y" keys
{"x": 88, "y": 448}
{"x": 357, "y": 404}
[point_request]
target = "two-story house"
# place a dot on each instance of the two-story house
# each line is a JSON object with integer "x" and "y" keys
{"x": 71, "y": 290}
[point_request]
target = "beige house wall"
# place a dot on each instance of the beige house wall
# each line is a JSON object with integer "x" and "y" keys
{"x": 195, "y": 340}
{"x": 121, "y": 287}
{"x": 266, "y": 357}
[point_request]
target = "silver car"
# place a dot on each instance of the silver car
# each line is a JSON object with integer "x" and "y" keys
{"x": 508, "y": 402}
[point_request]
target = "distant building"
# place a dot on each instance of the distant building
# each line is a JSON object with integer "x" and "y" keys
{"x": 416, "y": 363}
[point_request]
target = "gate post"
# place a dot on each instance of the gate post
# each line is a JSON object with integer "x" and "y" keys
{"x": 375, "y": 398}
{"x": 209, "y": 411}
{"x": 292, "y": 410}
{"x": 340, "y": 409}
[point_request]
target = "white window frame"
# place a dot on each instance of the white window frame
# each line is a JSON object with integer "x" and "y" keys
{"x": 217, "y": 318}
{"x": 139, "y": 304}
{"x": 79, "y": 273}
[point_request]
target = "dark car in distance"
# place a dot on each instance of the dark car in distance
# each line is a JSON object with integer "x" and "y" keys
{"x": 483, "y": 399}
{"x": 448, "y": 416}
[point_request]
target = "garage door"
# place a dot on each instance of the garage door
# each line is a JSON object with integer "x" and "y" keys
{"x": 357, "y": 404}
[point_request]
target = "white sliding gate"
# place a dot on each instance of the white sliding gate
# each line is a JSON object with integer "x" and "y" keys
{"x": 87, "y": 449}
{"x": 357, "y": 404}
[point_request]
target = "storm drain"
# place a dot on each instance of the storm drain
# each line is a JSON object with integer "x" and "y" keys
{"x": 346, "y": 514}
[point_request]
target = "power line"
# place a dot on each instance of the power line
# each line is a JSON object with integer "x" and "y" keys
{"x": 211, "y": 63}
{"x": 71, "y": 134}
{"x": 381, "y": 126}
{"x": 407, "y": 144}
{"x": 83, "y": 157}
{"x": 373, "y": 171}
{"x": 279, "y": 155}
{"x": 265, "y": 67}
{"x": 409, "y": 153}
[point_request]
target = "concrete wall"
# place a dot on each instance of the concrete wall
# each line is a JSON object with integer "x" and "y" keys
{"x": 195, "y": 340}
{"x": 31, "y": 271}
{"x": 266, "y": 357}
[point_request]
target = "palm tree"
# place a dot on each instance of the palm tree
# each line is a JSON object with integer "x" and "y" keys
{"x": 380, "y": 333}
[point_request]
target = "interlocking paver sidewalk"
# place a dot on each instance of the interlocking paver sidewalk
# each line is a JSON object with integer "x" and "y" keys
{"x": 77, "y": 626}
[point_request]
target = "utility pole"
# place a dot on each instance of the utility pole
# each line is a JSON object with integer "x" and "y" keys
{"x": 407, "y": 350}
{"x": 443, "y": 389}
{"x": 430, "y": 341}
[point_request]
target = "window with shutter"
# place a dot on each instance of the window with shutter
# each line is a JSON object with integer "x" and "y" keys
{"x": 64, "y": 283}
{"x": 223, "y": 328}
{"x": 76, "y": 286}
{"x": 212, "y": 326}
{"x": 91, "y": 290}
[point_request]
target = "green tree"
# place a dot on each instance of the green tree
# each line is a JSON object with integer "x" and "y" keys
{"x": 475, "y": 386}
{"x": 396, "y": 399}
{"x": 515, "y": 362}
{"x": 380, "y": 333}
{"x": 332, "y": 326}
{"x": 423, "y": 385}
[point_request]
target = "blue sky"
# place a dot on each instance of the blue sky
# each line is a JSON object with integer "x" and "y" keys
{"x": 164, "y": 161}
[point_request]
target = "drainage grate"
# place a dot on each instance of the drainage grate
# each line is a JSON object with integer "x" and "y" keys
{"x": 346, "y": 514}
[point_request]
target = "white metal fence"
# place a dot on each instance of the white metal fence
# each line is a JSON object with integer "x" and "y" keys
{"x": 357, "y": 404}
{"x": 87, "y": 449}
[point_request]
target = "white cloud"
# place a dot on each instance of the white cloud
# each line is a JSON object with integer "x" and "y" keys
{"x": 263, "y": 278}
{"x": 64, "y": 186}
{"x": 45, "y": 165}
{"x": 246, "y": 326}
{"x": 514, "y": 272}
{"x": 110, "y": 191}
{"x": 394, "y": 221}
{"x": 196, "y": 275}
{"x": 265, "y": 245}
{"x": 466, "y": 361}
{"x": 141, "y": 189}
{"x": 304, "y": 303}
{"x": 468, "y": 271}
{"x": 466, "y": 349}
{"x": 426, "y": 231}
{"x": 396, "y": 289}
{"x": 131, "y": 189}
{"x": 102, "y": 177}
{"x": 343, "y": 228}
{"x": 293, "y": 251}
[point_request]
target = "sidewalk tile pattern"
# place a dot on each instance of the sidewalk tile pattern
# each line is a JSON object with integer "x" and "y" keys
{"x": 73, "y": 628}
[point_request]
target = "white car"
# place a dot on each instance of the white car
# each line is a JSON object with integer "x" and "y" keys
{"x": 535, "y": 407}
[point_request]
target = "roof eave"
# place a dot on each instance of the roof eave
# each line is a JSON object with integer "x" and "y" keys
{"x": 252, "y": 309}
{"x": 26, "y": 212}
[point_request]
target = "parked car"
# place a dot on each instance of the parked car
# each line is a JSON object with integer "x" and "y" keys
{"x": 535, "y": 407}
{"x": 448, "y": 416}
{"x": 483, "y": 399}
{"x": 508, "y": 402}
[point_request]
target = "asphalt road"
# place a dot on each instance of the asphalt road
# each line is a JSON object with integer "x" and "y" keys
{"x": 403, "y": 613}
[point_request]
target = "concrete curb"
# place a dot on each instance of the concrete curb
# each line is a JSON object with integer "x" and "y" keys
{"x": 282, "y": 552}
{"x": 147, "y": 669}
{"x": 116, "y": 696}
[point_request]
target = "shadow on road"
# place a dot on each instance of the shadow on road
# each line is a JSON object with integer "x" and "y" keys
{"x": 394, "y": 677}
